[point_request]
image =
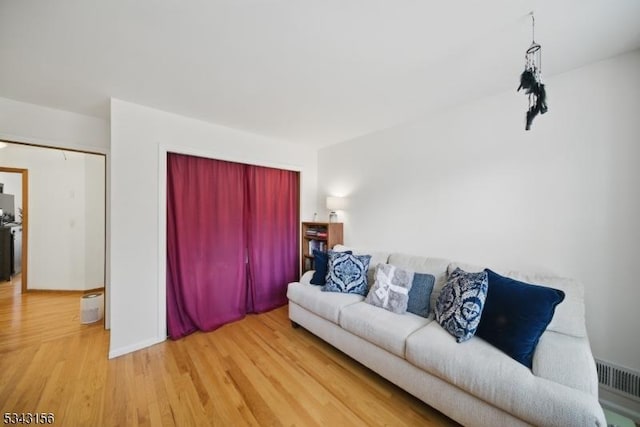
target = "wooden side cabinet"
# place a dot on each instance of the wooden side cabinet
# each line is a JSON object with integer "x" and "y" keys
{"x": 321, "y": 236}
{"x": 5, "y": 253}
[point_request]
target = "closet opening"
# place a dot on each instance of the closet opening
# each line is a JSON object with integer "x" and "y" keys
{"x": 232, "y": 240}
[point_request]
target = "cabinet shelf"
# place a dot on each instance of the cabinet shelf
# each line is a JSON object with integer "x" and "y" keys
{"x": 324, "y": 239}
{"x": 319, "y": 236}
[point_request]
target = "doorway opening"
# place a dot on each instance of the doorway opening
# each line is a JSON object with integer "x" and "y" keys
{"x": 61, "y": 210}
{"x": 14, "y": 225}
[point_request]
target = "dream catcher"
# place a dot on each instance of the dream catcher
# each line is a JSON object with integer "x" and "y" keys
{"x": 531, "y": 78}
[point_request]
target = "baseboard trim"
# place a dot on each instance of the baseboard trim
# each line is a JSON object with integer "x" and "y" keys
{"x": 54, "y": 292}
{"x": 65, "y": 291}
{"x": 134, "y": 347}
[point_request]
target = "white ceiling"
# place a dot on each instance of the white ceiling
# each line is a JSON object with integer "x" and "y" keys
{"x": 315, "y": 72}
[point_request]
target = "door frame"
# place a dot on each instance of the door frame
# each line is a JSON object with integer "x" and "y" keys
{"x": 25, "y": 202}
{"x": 25, "y": 221}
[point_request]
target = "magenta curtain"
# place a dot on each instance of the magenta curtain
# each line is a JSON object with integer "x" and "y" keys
{"x": 206, "y": 244}
{"x": 272, "y": 227}
{"x": 232, "y": 241}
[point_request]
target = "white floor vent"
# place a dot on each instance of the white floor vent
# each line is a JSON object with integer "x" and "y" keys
{"x": 618, "y": 379}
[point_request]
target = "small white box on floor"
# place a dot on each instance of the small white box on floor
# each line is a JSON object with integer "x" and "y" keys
{"x": 91, "y": 307}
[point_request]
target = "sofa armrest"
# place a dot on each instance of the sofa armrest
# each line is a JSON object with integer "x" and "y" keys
{"x": 551, "y": 361}
{"x": 306, "y": 277}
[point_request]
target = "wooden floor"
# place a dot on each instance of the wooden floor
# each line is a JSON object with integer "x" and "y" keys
{"x": 258, "y": 371}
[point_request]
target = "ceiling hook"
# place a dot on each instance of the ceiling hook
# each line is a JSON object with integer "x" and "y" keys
{"x": 533, "y": 27}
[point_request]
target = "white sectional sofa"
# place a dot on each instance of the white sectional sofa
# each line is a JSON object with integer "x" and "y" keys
{"x": 471, "y": 382}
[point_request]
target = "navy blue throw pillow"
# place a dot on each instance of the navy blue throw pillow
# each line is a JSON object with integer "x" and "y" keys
{"x": 420, "y": 294}
{"x": 515, "y": 315}
{"x": 321, "y": 267}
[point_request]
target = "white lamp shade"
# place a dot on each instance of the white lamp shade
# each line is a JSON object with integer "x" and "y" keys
{"x": 336, "y": 203}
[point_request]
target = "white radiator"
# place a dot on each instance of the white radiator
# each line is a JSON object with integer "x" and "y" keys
{"x": 620, "y": 380}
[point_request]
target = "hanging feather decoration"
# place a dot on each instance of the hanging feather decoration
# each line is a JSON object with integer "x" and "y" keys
{"x": 531, "y": 79}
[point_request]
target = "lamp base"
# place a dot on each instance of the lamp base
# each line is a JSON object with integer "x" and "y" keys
{"x": 333, "y": 217}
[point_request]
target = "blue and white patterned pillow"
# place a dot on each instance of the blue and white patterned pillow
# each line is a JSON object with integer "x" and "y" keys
{"x": 347, "y": 273}
{"x": 459, "y": 305}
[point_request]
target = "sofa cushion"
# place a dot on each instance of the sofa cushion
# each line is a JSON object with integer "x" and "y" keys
{"x": 391, "y": 288}
{"x": 325, "y": 304}
{"x": 381, "y": 327}
{"x": 437, "y": 267}
{"x": 420, "y": 294}
{"x": 460, "y": 304}
{"x": 436, "y": 351}
{"x": 321, "y": 266}
{"x": 515, "y": 315}
{"x": 347, "y": 273}
{"x": 485, "y": 372}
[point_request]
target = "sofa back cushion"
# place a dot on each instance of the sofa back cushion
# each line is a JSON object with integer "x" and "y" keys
{"x": 569, "y": 317}
{"x": 437, "y": 267}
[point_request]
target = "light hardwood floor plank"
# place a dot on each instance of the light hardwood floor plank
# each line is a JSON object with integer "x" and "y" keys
{"x": 257, "y": 371}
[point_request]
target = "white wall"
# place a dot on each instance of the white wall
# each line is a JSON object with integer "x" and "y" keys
{"x": 471, "y": 185}
{"x": 66, "y": 216}
{"x": 140, "y": 137}
{"x": 34, "y": 124}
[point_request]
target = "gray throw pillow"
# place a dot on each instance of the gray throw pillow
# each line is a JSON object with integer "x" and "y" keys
{"x": 391, "y": 288}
